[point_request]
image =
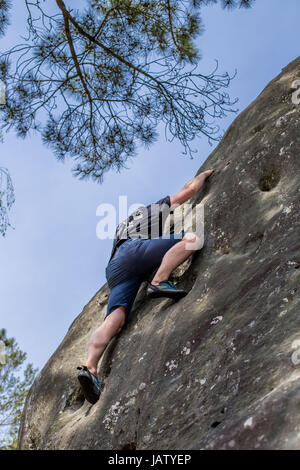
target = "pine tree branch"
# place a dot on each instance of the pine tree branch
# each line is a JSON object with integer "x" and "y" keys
{"x": 77, "y": 66}
{"x": 74, "y": 56}
{"x": 104, "y": 21}
{"x": 159, "y": 84}
{"x": 84, "y": 33}
{"x": 171, "y": 24}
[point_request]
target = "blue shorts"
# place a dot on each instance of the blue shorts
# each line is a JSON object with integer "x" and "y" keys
{"x": 133, "y": 263}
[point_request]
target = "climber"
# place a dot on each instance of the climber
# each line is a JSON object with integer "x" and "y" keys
{"x": 135, "y": 255}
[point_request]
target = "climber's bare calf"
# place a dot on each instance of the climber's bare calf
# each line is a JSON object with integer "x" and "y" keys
{"x": 175, "y": 256}
{"x": 111, "y": 326}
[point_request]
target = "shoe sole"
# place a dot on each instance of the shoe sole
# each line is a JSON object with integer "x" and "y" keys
{"x": 89, "y": 395}
{"x": 169, "y": 295}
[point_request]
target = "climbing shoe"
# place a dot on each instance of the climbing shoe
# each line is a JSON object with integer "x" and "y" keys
{"x": 90, "y": 384}
{"x": 165, "y": 289}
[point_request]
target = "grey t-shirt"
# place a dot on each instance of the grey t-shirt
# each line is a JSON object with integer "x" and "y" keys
{"x": 145, "y": 222}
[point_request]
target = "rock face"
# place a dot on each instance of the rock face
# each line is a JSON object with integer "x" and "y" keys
{"x": 221, "y": 368}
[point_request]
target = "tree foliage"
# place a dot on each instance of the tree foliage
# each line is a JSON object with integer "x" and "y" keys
{"x": 7, "y": 197}
{"x": 97, "y": 82}
{"x": 5, "y": 6}
{"x": 15, "y": 381}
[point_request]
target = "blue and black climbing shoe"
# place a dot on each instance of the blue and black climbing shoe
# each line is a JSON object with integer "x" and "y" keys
{"x": 90, "y": 385}
{"x": 165, "y": 289}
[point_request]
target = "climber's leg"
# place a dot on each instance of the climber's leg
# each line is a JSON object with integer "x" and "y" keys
{"x": 120, "y": 302}
{"x": 119, "y": 305}
{"x": 160, "y": 285}
{"x": 176, "y": 255}
{"x": 111, "y": 326}
{"x": 91, "y": 386}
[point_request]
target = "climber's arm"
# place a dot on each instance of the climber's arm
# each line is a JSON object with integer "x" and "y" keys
{"x": 190, "y": 188}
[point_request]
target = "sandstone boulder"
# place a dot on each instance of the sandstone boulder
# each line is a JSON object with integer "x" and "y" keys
{"x": 221, "y": 368}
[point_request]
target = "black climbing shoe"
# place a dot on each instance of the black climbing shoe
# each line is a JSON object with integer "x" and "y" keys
{"x": 165, "y": 289}
{"x": 90, "y": 384}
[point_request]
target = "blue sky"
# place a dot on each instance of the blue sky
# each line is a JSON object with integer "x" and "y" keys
{"x": 53, "y": 263}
